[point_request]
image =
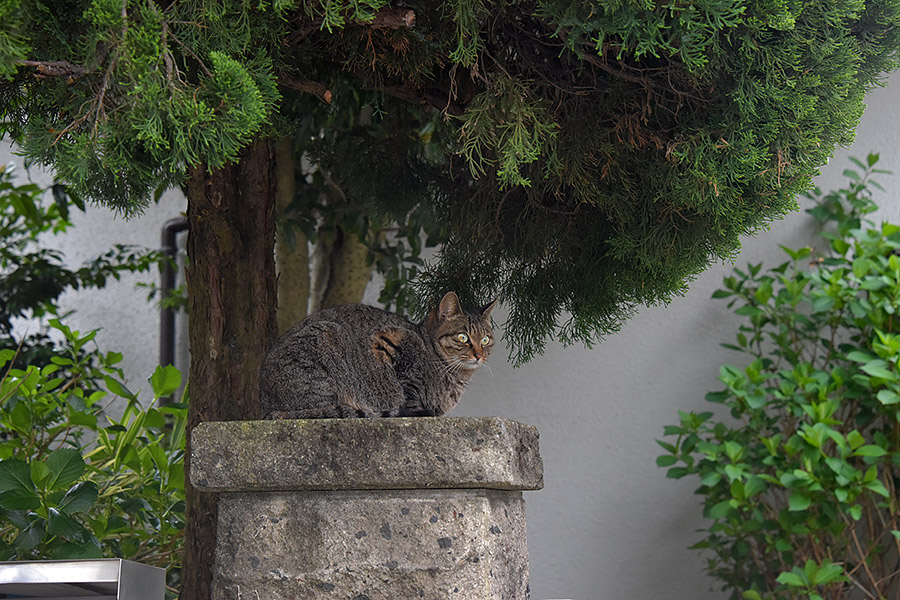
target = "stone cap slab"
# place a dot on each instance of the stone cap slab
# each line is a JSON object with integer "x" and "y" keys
{"x": 366, "y": 454}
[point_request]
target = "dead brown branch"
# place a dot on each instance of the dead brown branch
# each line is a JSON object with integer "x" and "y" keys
{"x": 601, "y": 64}
{"x": 392, "y": 17}
{"x": 59, "y": 68}
{"x": 423, "y": 98}
{"x": 309, "y": 87}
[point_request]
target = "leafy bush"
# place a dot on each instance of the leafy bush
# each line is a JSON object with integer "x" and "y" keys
{"x": 73, "y": 488}
{"x": 34, "y": 276}
{"x": 801, "y": 482}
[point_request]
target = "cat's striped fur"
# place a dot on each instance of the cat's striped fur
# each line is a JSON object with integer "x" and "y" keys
{"x": 360, "y": 361}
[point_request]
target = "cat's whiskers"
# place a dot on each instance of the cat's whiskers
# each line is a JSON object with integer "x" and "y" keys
{"x": 444, "y": 366}
{"x": 454, "y": 365}
{"x": 487, "y": 365}
{"x": 458, "y": 365}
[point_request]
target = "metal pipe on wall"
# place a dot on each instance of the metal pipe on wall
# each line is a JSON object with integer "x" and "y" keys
{"x": 170, "y": 231}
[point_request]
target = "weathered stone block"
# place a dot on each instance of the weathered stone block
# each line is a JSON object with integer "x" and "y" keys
{"x": 391, "y": 545}
{"x": 369, "y": 509}
{"x": 359, "y": 454}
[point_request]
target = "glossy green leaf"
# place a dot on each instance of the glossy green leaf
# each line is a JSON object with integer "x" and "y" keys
{"x": 861, "y": 266}
{"x": 66, "y": 465}
{"x": 154, "y": 419}
{"x": 666, "y": 446}
{"x": 666, "y": 460}
{"x": 855, "y": 439}
{"x": 822, "y": 303}
{"x": 677, "y": 472}
{"x": 860, "y": 357}
{"x": 878, "y": 368}
{"x": 176, "y": 476}
{"x": 20, "y": 418}
{"x": 118, "y": 388}
{"x": 80, "y": 497}
{"x": 877, "y": 487}
{"x": 78, "y": 550}
{"x": 59, "y": 523}
{"x": 748, "y": 310}
{"x": 828, "y": 573}
{"x": 15, "y": 475}
{"x": 798, "y": 501}
{"x": 870, "y": 450}
{"x": 19, "y": 499}
{"x": 711, "y": 478}
{"x": 755, "y": 485}
{"x": 791, "y": 579}
{"x": 886, "y": 397}
{"x": 720, "y": 510}
{"x": 30, "y": 536}
{"x": 165, "y": 381}
{"x": 40, "y": 473}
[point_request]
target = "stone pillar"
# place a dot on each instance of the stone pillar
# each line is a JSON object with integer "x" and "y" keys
{"x": 369, "y": 509}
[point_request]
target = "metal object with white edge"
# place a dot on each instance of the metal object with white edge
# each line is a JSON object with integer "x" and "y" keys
{"x": 95, "y": 579}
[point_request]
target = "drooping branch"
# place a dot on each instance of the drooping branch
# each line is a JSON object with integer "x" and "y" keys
{"x": 315, "y": 88}
{"x": 392, "y": 17}
{"x": 426, "y": 97}
{"x": 389, "y": 17}
{"x": 58, "y": 68}
{"x": 600, "y": 63}
{"x": 641, "y": 76}
{"x": 422, "y": 98}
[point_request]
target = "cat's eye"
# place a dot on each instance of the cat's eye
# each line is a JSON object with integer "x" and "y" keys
{"x": 463, "y": 338}
{"x": 485, "y": 341}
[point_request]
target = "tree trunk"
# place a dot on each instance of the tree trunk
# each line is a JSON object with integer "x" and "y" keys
{"x": 350, "y": 271}
{"x": 231, "y": 294}
{"x": 292, "y": 262}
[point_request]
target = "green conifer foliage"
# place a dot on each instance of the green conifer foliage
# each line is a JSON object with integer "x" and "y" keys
{"x": 587, "y": 157}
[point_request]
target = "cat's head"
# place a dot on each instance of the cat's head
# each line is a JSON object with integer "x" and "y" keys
{"x": 462, "y": 337}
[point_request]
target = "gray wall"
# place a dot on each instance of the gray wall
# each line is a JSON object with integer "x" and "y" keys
{"x": 608, "y": 524}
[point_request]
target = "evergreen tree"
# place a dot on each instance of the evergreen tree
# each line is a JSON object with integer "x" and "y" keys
{"x": 586, "y": 157}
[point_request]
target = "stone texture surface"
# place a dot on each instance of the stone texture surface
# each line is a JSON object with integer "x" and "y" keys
{"x": 369, "y": 509}
{"x": 355, "y": 454}
{"x": 381, "y": 545}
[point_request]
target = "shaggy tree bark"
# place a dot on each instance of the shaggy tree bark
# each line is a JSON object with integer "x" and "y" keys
{"x": 350, "y": 271}
{"x": 292, "y": 261}
{"x": 231, "y": 292}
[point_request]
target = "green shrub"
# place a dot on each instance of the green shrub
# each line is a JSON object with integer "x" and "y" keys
{"x": 71, "y": 487}
{"x": 35, "y": 276}
{"x": 800, "y": 480}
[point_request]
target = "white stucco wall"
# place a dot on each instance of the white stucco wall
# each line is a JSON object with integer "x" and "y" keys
{"x": 608, "y": 524}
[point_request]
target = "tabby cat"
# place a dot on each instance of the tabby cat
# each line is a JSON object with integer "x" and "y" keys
{"x": 361, "y": 361}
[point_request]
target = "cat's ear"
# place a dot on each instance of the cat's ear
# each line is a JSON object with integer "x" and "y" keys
{"x": 449, "y": 306}
{"x": 487, "y": 309}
